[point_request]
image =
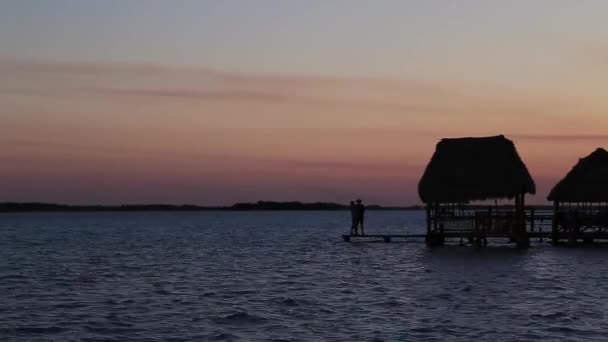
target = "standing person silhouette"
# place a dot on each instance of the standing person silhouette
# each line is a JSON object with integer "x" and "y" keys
{"x": 360, "y": 210}
{"x": 353, "y": 217}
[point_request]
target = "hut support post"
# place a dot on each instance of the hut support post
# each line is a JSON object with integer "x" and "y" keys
{"x": 436, "y": 215}
{"x": 433, "y": 236}
{"x": 429, "y": 223}
{"x": 490, "y": 220}
{"x": 521, "y": 233}
{"x": 428, "y": 219}
{"x": 522, "y": 213}
{"x": 554, "y": 223}
{"x": 515, "y": 228}
{"x": 532, "y": 223}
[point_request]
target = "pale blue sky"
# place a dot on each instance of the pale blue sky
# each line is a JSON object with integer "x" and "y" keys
{"x": 319, "y": 36}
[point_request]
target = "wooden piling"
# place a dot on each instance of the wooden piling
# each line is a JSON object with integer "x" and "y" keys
{"x": 555, "y": 222}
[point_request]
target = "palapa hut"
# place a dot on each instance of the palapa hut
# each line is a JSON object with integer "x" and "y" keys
{"x": 580, "y": 200}
{"x": 463, "y": 170}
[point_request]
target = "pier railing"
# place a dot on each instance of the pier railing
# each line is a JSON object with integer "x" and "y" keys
{"x": 492, "y": 222}
{"x": 475, "y": 225}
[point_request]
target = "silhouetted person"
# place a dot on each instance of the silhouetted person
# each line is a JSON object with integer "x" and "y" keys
{"x": 353, "y": 218}
{"x": 360, "y": 211}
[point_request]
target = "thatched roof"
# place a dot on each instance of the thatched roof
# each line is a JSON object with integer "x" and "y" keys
{"x": 470, "y": 169}
{"x": 586, "y": 182}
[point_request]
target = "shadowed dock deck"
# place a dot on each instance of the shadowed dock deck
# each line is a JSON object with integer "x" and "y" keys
{"x": 391, "y": 237}
{"x": 384, "y": 237}
{"x": 542, "y": 236}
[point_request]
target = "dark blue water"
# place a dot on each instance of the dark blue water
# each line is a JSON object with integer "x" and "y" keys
{"x": 283, "y": 276}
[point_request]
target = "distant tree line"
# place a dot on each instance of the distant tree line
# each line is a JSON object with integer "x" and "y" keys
{"x": 32, "y": 207}
{"x": 264, "y": 205}
{"x": 260, "y": 205}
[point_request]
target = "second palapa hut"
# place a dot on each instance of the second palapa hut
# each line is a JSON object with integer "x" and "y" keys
{"x": 581, "y": 200}
{"x": 464, "y": 170}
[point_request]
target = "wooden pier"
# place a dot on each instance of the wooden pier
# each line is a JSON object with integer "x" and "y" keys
{"x": 383, "y": 237}
{"x": 488, "y": 169}
{"x": 542, "y": 236}
{"x": 475, "y": 227}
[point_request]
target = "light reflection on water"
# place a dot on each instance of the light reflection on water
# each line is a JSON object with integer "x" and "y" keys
{"x": 284, "y": 276}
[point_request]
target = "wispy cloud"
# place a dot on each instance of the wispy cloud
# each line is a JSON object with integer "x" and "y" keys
{"x": 273, "y": 97}
{"x": 203, "y": 95}
{"x": 561, "y": 137}
{"x": 394, "y": 96}
{"x": 363, "y": 166}
{"x": 244, "y": 78}
{"x": 200, "y": 84}
{"x": 38, "y": 66}
{"x": 303, "y": 164}
{"x": 58, "y": 145}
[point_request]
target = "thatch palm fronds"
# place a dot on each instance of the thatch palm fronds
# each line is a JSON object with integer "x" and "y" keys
{"x": 586, "y": 182}
{"x": 469, "y": 169}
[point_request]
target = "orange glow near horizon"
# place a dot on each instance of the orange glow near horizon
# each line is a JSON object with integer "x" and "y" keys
{"x": 128, "y": 133}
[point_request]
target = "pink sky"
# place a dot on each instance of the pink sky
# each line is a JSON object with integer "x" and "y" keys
{"x": 125, "y": 133}
{"x": 213, "y": 102}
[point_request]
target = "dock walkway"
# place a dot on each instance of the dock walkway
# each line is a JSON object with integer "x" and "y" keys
{"x": 384, "y": 237}
{"x": 540, "y": 235}
{"x": 476, "y": 227}
{"x": 391, "y": 237}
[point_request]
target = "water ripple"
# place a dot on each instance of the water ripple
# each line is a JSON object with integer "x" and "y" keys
{"x": 283, "y": 276}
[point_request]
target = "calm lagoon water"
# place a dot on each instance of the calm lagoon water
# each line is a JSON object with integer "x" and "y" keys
{"x": 283, "y": 276}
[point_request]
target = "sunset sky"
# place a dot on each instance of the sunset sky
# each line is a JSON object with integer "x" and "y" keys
{"x": 214, "y": 102}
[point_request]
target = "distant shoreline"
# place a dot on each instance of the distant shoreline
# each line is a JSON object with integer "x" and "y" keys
{"x": 14, "y": 207}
